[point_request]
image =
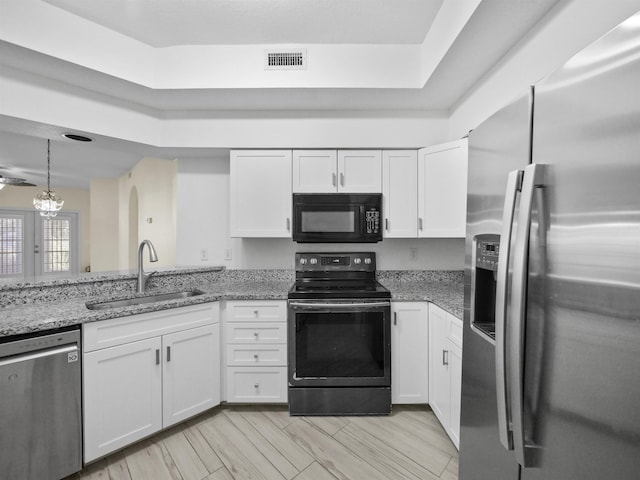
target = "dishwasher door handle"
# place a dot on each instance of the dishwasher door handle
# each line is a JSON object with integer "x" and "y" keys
{"x": 38, "y": 354}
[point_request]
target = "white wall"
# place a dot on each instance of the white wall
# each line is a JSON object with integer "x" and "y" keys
{"x": 392, "y": 254}
{"x": 104, "y": 224}
{"x": 203, "y": 212}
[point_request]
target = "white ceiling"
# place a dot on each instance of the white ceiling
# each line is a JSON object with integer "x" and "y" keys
{"x": 257, "y": 22}
{"x": 494, "y": 29}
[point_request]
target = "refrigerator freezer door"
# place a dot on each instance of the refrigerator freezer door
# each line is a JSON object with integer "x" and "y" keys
{"x": 582, "y": 362}
{"x": 498, "y": 146}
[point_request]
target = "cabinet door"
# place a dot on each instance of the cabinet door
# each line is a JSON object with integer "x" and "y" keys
{"x": 409, "y": 353}
{"x": 439, "y": 377}
{"x": 455, "y": 367}
{"x": 191, "y": 372}
{"x": 360, "y": 171}
{"x": 400, "y": 193}
{"x": 260, "y": 193}
{"x": 315, "y": 171}
{"x": 442, "y": 190}
{"x": 122, "y": 396}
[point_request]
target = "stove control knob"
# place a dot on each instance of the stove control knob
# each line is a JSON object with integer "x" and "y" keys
{"x": 313, "y": 261}
{"x": 357, "y": 261}
{"x": 303, "y": 261}
{"x": 367, "y": 261}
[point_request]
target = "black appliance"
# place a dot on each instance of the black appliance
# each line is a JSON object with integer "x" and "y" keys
{"x": 337, "y": 217}
{"x": 339, "y": 332}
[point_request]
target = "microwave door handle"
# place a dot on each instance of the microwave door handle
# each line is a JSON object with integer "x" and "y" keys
{"x": 514, "y": 184}
{"x": 533, "y": 179}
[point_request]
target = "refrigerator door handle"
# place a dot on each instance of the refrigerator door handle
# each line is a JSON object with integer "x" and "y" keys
{"x": 533, "y": 178}
{"x": 514, "y": 184}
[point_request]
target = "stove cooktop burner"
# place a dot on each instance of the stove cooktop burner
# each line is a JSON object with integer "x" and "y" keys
{"x": 337, "y": 275}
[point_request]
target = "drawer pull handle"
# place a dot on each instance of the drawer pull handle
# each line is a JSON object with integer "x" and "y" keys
{"x": 445, "y": 357}
{"x": 157, "y": 356}
{"x": 256, "y": 357}
{"x": 168, "y": 354}
{"x": 255, "y": 334}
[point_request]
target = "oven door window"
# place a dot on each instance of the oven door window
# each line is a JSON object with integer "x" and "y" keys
{"x": 340, "y": 344}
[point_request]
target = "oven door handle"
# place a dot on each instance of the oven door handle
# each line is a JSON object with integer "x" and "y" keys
{"x": 339, "y": 305}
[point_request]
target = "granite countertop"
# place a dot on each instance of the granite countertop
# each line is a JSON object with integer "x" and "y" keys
{"x": 448, "y": 296}
{"x": 59, "y": 310}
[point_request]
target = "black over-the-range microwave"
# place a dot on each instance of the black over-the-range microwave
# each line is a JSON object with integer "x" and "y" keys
{"x": 337, "y": 217}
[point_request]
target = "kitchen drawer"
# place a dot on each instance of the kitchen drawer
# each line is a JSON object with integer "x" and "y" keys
{"x": 256, "y": 332}
{"x": 269, "y": 310}
{"x": 454, "y": 330}
{"x": 257, "y": 384}
{"x": 118, "y": 331}
{"x": 262, "y": 355}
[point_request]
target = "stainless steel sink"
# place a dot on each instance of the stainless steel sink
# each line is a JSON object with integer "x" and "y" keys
{"x": 128, "y": 302}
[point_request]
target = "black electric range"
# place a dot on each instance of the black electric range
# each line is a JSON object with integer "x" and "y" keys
{"x": 339, "y": 332}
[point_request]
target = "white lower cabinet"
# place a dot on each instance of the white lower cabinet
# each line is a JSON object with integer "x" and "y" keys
{"x": 409, "y": 352}
{"x": 445, "y": 369}
{"x": 256, "y": 351}
{"x": 146, "y": 372}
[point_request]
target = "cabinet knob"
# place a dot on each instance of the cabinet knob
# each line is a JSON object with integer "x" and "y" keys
{"x": 255, "y": 334}
{"x": 256, "y": 386}
{"x": 256, "y": 312}
{"x": 256, "y": 357}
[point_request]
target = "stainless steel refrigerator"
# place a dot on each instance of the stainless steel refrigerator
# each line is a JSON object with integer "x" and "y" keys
{"x": 551, "y": 357}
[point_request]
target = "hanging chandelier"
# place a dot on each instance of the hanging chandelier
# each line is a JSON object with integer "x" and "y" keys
{"x": 48, "y": 203}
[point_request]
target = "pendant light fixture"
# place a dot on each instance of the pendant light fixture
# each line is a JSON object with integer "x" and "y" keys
{"x": 48, "y": 203}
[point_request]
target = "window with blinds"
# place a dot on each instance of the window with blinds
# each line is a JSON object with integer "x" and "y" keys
{"x": 56, "y": 245}
{"x": 11, "y": 245}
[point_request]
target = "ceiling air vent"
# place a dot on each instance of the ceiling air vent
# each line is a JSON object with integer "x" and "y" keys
{"x": 285, "y": 59}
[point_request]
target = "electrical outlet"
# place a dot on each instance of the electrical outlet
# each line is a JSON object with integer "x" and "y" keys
{"x": 228, "y": 254}
{"x": 204, "y": 254}
{"x": 413, "y": 254}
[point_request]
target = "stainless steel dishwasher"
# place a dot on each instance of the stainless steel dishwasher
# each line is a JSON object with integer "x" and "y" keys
{"x": 40, "y": 409}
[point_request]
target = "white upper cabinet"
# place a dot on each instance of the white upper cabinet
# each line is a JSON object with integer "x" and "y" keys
{"x": 314, "y": 171}
{"x": 360, "y": 171}
{"x": 260, "y": 193}
{"x": 400, "y": 193}
{"x": 442, "y": 190}
{"x": 342, "y": 171}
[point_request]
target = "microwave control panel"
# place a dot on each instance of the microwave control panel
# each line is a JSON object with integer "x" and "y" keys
{"x": 372, "y": 221}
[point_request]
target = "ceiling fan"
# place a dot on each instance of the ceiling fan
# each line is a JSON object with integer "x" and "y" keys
{"x": 15, "y": 182}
